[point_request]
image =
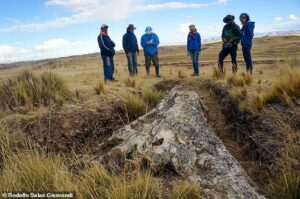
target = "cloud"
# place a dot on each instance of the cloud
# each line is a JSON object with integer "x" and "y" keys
{"x": 54, "y": 44}
{"x": 8, "y": 52}
{"x": 278, "y": 19}
{"x": 292, "y": 17}
{"x": 83, "y": 11}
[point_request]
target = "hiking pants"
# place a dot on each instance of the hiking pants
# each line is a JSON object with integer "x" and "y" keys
{"x": 195, "y": 59}
{"x": 248, "y": 59}
{"x": 154, "y": 59}
{"x": 132, "y": 63}
{"x": 108, "y": 66}
{"x": 224, "y": 53}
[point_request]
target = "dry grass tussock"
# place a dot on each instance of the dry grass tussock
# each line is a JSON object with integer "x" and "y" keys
{"x": 152, "y": 97}
{"x": 99, "y": 88}
{"x": 218, "y": 73}
{"x": 285, "y": 90}
{"x": 285, "y": 181}
{"x": 32, "y": 170}
{"x": 30, "y": 90}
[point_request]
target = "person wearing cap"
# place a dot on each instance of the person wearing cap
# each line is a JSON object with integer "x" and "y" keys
{"x": 131, "y": 48}
{"x": 247, "y": 37}
{"x": 107, "y": 53}
{"x": 194, "y": 47}
{"x": 231, "y": 36}
{"x": 150, "y": 42}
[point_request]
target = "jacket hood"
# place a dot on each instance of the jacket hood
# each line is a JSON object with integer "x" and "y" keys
{"x": 251, "y": 25}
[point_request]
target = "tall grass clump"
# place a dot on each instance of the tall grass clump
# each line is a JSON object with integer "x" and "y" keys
{"x": 218, "y": 73}
{"x": 130, "y": 82}
{"x": 186, "y": 190}
{"x": 35, "y": 171}
{"x": 236, "y": 81}
{"x": 152, "y": 97}
{"x": 99, "y": 88}
{"x": 28, "y": 89}
{"x": 135, "y": 107}
{"x": 287, "y": 88}
{"x": 294, "y": 62}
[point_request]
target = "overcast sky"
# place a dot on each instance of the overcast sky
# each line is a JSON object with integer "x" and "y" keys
{"x": 38, "y": 29}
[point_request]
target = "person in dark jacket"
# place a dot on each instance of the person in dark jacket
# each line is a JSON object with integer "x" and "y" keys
{"x": 150, "y": 42}
{"x": 194, "y": 47}
{"x": 247, "y": 37}
{"x": 107, "y": 53}
{"x": 231, "y": 36}
{"x": 131, "y": 48}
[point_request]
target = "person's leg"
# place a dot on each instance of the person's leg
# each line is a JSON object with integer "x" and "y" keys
{"x": 196, "y": 62}
{"x": 106, "y": 67}
{"x": 130, "y": 63}
{"x": 248, "y": 59}
{"x": 134, "y": 63}
{"x": 156, "y": 64}
{"x": 233, "y": 54}
{"x": 148, "y": 64}
{"x": 112, "y": 68}
{"x": 222, "y": 55}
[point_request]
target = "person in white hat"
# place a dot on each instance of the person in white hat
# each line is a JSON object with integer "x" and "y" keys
{"x": 150, "y": 42}
{"x": 107, "y": 53}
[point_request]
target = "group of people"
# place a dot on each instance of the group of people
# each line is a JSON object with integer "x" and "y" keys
{"x": 232, "y": 34}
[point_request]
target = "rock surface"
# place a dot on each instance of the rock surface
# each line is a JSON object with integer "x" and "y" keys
{"x": 177, "y": 135}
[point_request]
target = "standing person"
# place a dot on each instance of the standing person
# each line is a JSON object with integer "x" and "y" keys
{"x": 131, "y": 48}
{"x": 107, "y": 53}
{"x": 247, "y": 37}
{"x": 231, "y": 36}
{"x": 150, "y": 42}
{"x": 194, "y": 47}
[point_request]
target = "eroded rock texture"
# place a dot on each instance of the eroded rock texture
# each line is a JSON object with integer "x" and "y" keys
{"x": 177, "y": 135}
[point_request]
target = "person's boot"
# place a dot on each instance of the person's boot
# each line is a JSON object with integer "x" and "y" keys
{"x": 234, "y": 68}
{"x": 221, "y": 67}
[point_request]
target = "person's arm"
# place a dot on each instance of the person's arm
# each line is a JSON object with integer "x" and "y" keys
{"x": 188, "y": 45}
{"x": 104, "y": 42}
{"x": 143, "y": 42}
{"x": 125, "y": 44}
{"x": 137, "y": 45}
{"x": 237, "y": 34}
{"x": 199, "y": 41}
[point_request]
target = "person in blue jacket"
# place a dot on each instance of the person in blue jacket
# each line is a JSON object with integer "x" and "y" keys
{"x": 107, "y": 53}
{"x": 247, "y": 37}
{"x": 131, "y": 48}
{"x": 150, "y": 42}
{"x": 194, "y": 47}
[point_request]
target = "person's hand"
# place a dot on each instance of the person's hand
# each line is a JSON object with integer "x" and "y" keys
{"x": 150, "y": 42}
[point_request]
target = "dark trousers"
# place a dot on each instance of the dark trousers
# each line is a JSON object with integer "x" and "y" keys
{"x": 109, "y": 67}
{"x": 224, "y": 53}
{"x": 132, "y": 63}
{"x": 195, "y": 59}
{"x": 248, "y": 59}
{"x": 154, "y": 60}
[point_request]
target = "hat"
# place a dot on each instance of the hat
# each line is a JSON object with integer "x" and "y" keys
{"x": 192, "y": 27}
{"x": 148, "y": 29}
{"x": 228, "y": 19}
{"x": 131, "y": 26}
{"x": 104, "y": 26}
